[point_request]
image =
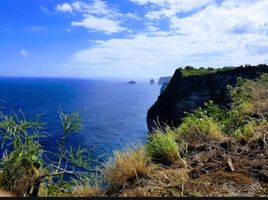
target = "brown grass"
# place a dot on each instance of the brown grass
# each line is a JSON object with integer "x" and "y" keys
{"x": 4, "y": 193}
{"x": 160, "y": 182}
{"x": 126, "y": 167}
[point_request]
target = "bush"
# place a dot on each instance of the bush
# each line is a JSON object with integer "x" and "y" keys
{"x": 246, "y": 131}
{"x": 23, "y": 170}
{"x": 125, "y": 167}
{"x": 249, "y": 97}
{"x": 202, "y": 123}
{"x": 162, "y": 148}
{"x": 20, "y": 166}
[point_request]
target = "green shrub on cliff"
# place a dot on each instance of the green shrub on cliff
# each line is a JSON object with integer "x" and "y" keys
{"x": 202, "y": 122}
{"x": 250, "y": 97}
{"x": 191, "y": 71}
{"x": 163, "y": 148}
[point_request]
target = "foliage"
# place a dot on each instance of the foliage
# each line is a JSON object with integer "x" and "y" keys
{"x": 23, "y": 158}
{"x": 162, "y": 147}
{"x": 203, "y": 122}
{"x": 190, "y": 71}
{"x": 249, "y": 97}
{"x": 24, "y": 170}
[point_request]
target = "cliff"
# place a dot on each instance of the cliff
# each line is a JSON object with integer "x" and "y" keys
{"x": 185, "y": 94}
{"x": 163, "y": 80}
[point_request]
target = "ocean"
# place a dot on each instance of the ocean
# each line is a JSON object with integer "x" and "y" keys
{"x": 113, "y": 113}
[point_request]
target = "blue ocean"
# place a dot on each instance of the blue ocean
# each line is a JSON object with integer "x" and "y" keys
{"x": 113, "y": 112}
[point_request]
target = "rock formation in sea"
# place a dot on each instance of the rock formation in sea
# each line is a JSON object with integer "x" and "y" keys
{"x": 185, "y": 94}
{"x": 152, "y": 82}
{"x": 131, "y": 82}
{"x": 163, "y": 80}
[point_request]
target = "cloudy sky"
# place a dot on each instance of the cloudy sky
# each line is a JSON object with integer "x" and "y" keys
{"x": 129, "y": 38}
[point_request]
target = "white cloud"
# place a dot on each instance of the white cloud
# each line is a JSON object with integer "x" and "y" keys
{"x": 42, "y": 8}
{"x": 100, "y": 24}
{"x": 37, "y": 28}
{"x": 169, "y": 8}
{"x": 232, "y": 33}
{"x": 65, "y": 7}
{"x": 96, "y": 16}
{"x": 24, "y": 52}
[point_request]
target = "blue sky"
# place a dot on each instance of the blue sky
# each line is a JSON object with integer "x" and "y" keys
{"x": 129, "y": 38}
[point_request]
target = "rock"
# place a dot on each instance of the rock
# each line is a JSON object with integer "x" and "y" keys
{"x": 152, "y": 82}
{"x": 163, "y": 80}
{"x": 164, "y": 86}
{"x": 185, "y": 94}
{"x": 131, "y": 82}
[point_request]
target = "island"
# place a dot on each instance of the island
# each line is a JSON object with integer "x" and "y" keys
{"x": 131, "y": 82}
{"x": 152, "y": 82}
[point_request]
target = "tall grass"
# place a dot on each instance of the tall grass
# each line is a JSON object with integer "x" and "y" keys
{"x": 125, "y": 167}
{"x": 163, "y": 148}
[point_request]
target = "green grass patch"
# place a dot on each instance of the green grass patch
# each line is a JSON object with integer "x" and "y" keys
{"x": 162, "y": 147}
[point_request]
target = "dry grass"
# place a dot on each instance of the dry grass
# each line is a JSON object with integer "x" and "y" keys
{"x": 226, "y": 184}
{"x": 18, "y": 181}
{"x": 126, "y": 167}
{"x": 160, "y": 182}
{"x": 4, "y": 193}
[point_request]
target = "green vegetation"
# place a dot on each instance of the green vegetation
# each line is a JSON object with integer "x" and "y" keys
{"x": 191, "y": 71}
{"x": 198, "y": 158}
{"x": 23, "y": 169}
{"x": 202, "y": 122}
{"x": 163, "y": 148}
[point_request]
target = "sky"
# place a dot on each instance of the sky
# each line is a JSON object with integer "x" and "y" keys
{"x": 129, "y": 38}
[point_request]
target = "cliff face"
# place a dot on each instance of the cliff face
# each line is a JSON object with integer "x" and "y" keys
{"x": 163, "y": 80}
{"x": 185, "y": 94}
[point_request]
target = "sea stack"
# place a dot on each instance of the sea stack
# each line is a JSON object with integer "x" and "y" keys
{"x": 152, "y": 82}
{"x": 131, "y": 82}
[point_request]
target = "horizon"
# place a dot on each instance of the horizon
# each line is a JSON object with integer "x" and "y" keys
{"x": 129, "y": 39}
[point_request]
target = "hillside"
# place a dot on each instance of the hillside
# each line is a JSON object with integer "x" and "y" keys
{"x": 213, "y": 152}
{"x": 191, "y": 88}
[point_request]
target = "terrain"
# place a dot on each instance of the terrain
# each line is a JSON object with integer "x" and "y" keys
{"x": 217, "y": 147}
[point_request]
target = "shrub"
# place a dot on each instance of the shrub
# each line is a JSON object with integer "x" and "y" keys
{"x": 22, "y": 167}
{"x": 162, "y": 147}
{"x": 125, "y": 167}
{"x": 199, "y": 124}
{"x": 246, "y": 131}
{"x": 249, "y": 97}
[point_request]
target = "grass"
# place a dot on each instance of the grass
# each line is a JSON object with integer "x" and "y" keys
{"x": 125, "y": 167}
{"x": 190, "y": 71}
{"x": 250, "y": 96}
{"x": 163, "y": 148}
{"x": 194, "y": 126}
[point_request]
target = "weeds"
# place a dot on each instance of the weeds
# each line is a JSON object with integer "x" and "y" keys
{"x": 23, "y": 168}
{"x": 162, "y": 148}
{"x": 126, "y": 167}
{"x": 198, "y": 124}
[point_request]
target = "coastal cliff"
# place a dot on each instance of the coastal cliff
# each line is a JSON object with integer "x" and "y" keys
{"x": 185, "y": 94}
{"x": 163, "y": 80}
